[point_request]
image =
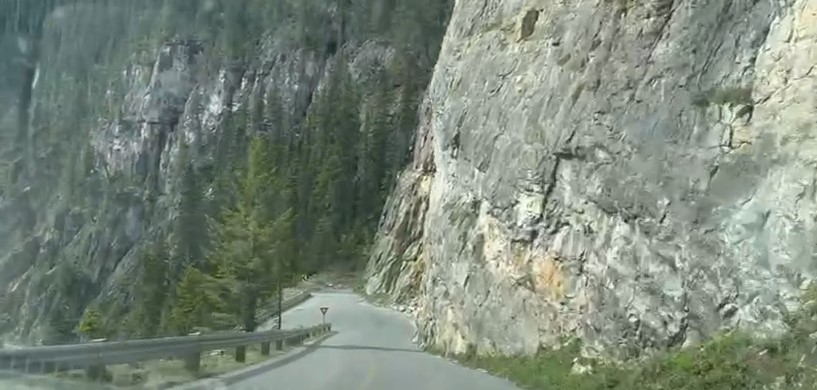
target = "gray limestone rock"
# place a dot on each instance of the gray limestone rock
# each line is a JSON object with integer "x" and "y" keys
{"x": 637, "y": 174}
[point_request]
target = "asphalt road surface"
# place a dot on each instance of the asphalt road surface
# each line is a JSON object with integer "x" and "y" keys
{"x": 371, "y": 351}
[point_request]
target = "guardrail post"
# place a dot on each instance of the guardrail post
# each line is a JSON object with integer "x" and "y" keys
{"x": 97, "y": 372}
{"x": 241, "y": 354}
{"x": 94, "y": 358}
{"x": 192, "y": 362}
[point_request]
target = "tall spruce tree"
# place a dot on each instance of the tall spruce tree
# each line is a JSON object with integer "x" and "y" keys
{"x": 198, "y": 301}
{"x": 247, "y": 240}
{"x": 151, "y": 291}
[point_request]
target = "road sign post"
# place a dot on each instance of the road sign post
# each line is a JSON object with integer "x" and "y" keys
{"x": 323, "y": 314}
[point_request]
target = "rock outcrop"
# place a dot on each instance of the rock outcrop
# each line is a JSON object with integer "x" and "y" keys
{"x": 636, "y": 173}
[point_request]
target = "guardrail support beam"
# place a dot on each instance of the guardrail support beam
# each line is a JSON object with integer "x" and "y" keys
{"x": 241, "y": 354}
{"x": 93, "y": 357}
{"x": 96, "y": 373}
{"x": 192, "y": 363}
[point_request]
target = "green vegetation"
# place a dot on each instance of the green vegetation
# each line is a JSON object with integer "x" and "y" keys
{"x": 158, "y": 374}
{"x": 196, "y": 300}
{"x": 151, "y": 292}
{"x": 279, "y": 192}
{"x": 726, "y": 96}
{"x": 730, "y": 361}
{"x": 91, "y": 325}
{"x": 623, "y": 5}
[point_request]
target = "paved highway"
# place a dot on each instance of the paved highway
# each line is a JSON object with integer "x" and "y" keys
{"x": 372, "y": 351}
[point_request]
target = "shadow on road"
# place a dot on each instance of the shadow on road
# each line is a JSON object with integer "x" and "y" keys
{"x": 366, "y": 347}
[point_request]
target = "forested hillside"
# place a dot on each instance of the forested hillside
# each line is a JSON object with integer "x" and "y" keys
{"x": 168, "y": 163}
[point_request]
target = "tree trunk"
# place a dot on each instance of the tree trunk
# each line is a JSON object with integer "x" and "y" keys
{"x": 280, "y": 298}
{"x": 250, "y": 305}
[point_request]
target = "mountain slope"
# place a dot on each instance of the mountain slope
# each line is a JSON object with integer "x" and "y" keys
{"x": 139, "y": 120}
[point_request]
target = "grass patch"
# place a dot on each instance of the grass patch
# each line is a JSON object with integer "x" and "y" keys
{"x": 729, "y": 361}
{"x": 730, "y": 96}
{"x": 360, "y": 286}
{"x": 380, "y": 298}
{"x": 623, "y": 4}
{"x": 157, "y": 373}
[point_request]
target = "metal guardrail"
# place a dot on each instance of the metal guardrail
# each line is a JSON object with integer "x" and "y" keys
{"x": 82, "y": 356}
{"x": 26, "y": 362}
{"x": 272, "y": 309}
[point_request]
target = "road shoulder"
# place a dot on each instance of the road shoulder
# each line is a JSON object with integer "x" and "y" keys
{"x": 225, "y": 380}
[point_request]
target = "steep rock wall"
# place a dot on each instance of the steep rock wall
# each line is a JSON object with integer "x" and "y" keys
{"x": 639, "y": 174}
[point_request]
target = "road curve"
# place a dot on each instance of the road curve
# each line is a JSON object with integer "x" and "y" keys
{"x": 372, "y": 351}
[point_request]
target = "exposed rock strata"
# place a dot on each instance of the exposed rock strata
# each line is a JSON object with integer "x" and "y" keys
{"x": 640, "y": 174}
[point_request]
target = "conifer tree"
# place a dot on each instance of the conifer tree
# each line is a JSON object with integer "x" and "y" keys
{"x": 151, "y": 293}
{"x": 189, "y": 235}
{"x": 194, "y": 302}
{"x": 249, "y": 248}
{"x": 60, "y": 327}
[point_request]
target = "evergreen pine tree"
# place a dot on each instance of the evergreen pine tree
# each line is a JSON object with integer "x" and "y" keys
{"x": 236, "y": 30}
{"x": 372, "y": 168}
{"x": 247, "y": 240}
{"x": 191, "y": 306}
{"x": 151, "y": 295}
{"x": 189, "y": 235}
{"x": 60, "y": 326}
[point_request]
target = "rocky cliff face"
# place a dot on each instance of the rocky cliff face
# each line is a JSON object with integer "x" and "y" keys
{"x": 637, "y": 173}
